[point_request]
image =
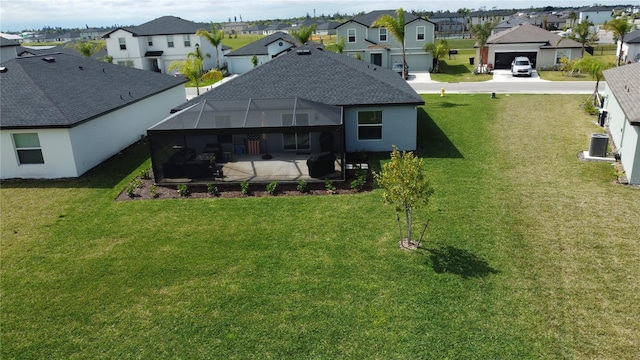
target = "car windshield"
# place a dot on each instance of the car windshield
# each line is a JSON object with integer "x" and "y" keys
{"x": 522, "y": 62}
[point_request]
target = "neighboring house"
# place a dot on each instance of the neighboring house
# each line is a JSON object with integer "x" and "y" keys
{"x": 8, "y": 49}
{"x": 265, "y": 49}
{"x": 508, "y": 24}
{"x": 62, "y": 115}
{"x": 622, "y": 101}
{"x": 234, "y": 27}
{"x": 91, "y": 34}
{"x": 376, "y": 110}
{"x": 596, "y": 14}
{"x": 62, "y": 48}
{"x": 542, "y": 47}
{"x": 255, "y": 30}
{"x": 630, "y": 47}
{"x": 378, "y": 46}
{"x": 154, "y": 45}
{"x": 448, "y": 22}
{"x": 275, "y": 28}
{"x": 481, "y": 17}
{"x": 326, "y": 28}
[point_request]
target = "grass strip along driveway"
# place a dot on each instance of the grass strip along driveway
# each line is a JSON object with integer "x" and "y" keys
{"x": 530, "y": 253}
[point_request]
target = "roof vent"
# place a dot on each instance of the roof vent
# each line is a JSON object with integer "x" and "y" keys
{"x": 303, "y": 52}
{"x": 3, "y": 69}
{"x": 80, "y": 67}
{"x": 49, "y": 59}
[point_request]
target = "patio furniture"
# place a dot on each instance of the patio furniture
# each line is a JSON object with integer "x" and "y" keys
{"x": 173, "y": 167}
{"x": 321, "y": 164}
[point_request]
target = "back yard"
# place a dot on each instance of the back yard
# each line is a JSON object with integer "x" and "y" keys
{"x": 530, "y": 254}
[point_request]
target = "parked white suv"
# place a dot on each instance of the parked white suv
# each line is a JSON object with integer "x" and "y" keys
{"x": 521, "y": 66}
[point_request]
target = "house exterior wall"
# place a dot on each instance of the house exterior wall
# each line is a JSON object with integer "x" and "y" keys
{"x": 242, "y": 64}
{"x": 8, "y": 53}
{"x": 547, "y": 57}
{"x": 596, "y": 17}
{"x": 277, "y": 47}
{"x": 399, "y": 128}
{"x": 72, "y": 152}
{"x": 630, "y": 51}
{"x": 56, "y": 151}
{"x": 626, "y": 138}
{"x": 137, "y": 46}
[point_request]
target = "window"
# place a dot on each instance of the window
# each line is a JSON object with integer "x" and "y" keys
{"x": 420, "y": 33}
{"x": 383, "y": 34}
{"x": 170, "y": 41}
{"x": 123, "y": 43}
{"x": 297, "y": 140}
{"x": 28, "y": 148}
{"x": 562, "y": 53}
{"x": 150, "y": 40}
{"x": 187, "y": 40}
{"x": 370, "y": 125}
{"x": 128, "y": 63}
{"x": 351, "y": 35}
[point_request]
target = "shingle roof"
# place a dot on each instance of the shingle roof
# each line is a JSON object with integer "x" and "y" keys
{"x": 62, "y": 48}
{"x": 632, "y": 37}
{"x": 6, "y": 42}
{"x": 166, "y": 25}
{"x": 259, "y": 47}
{"x": 624, "y": 82}
{"x": 527, "y": 33}
{"x": 71, "y": 90}
{"x": 317, "y": 75}
{"x": 368, "y": 18}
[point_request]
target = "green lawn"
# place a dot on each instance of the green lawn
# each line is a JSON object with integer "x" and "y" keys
{"x": 458, "y": 68}
{"x": 240, "y": 41}
{"x": 531, "y": 254}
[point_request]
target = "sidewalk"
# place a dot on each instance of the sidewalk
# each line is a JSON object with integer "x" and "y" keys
{"x": 191, "y": 91}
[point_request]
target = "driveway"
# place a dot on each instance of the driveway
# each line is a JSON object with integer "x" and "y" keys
{"x": 505, "y": 76}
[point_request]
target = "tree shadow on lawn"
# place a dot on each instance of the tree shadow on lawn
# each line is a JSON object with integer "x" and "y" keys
{"x": 432, "y": 141}
{"x": 452, "y": 260}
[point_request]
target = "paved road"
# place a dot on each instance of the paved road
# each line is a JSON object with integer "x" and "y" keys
{"x": 502, "y": 83}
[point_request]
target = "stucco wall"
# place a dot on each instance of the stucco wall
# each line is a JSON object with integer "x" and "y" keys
{"x": 399, "y": 128}
{"x": 626, "y": 138}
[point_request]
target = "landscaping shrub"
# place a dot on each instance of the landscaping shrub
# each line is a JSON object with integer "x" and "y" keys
{"x": 183, "y": 190}
{"x": 302, "y": 186}
{"x": 272, "y": 187}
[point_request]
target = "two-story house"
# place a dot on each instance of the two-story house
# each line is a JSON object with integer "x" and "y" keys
{"x": 378, "y": 46}
{"x": 241, "y": 60}
{"x": 595, "y": 14}
{"x": 154, "y": 45}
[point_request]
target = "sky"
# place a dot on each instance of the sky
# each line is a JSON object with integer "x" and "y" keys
{"x": 17, "y": 15}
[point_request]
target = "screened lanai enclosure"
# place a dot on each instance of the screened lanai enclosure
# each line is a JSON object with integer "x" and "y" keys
{"x": 254, "y": 140}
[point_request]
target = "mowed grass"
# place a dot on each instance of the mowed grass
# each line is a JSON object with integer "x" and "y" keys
{"x": 530, "y": 254}
{"x": 457, "y": 68}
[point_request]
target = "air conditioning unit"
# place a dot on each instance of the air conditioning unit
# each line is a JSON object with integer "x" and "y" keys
{"x": 598, "y": 146}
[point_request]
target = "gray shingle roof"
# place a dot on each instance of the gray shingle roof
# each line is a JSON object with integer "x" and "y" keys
{"x": 624, "y": 82}
{"x": 259, "y": 47}
{"x": 62, "y": 48}
{"x": 632, "y": 37}
{"x": 4, "y": 42}
{"x": 527, "y": 33}
{"x": 368, "y": 18}
{"x": 71, "y": 90}
{"x": 166, "y": 25}
{"x": 317, "y": 75}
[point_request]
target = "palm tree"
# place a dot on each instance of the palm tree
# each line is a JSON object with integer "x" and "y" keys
{"x": 215, "y": 38}
{"x": 191, "y": 68}
{"x": 340, "y": 45}
{"x": 198, "y": 55}
{"x": 438, "y": 51}
{"x": 86, "y": 48}
{"x": 572, "y": 18}
{"x": 304, "y": 34}
{"x": 619, "y": 27}
{"x": 464, "y": 12}
{"x": 396, "y": 27}
{"x": 482, "y": 32}
{"x": 594, "y": 67}
{"x": 584, "y": 34}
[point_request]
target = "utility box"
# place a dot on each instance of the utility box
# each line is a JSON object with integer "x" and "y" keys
{"x": 598, "y": 146}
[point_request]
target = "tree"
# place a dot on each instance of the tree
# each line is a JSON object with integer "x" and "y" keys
{"x": 191, "y": 68}
{"x": 396, "y": 28}
{"x": 438, "y": 50}
{"x": 572, "y": 18}
{"x": 215, "y": 38}
{"x": 254, "y": 60}
{"x": 198, "y": 55}
{"x": 340, "y": 45}
{"x": 304, "y": 34}
{"x": 405, "y": 185}
{"x": 86, "y": 48}
{"x": 464, "y": 12}
{"x": 594, "y": 67}
{"x": 619, "y": 27}
{"x": 584, "y": 33}
{"x": 482, "y": 32}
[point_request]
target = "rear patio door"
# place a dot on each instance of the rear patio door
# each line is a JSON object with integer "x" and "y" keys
{"x": 296, "y": 141}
